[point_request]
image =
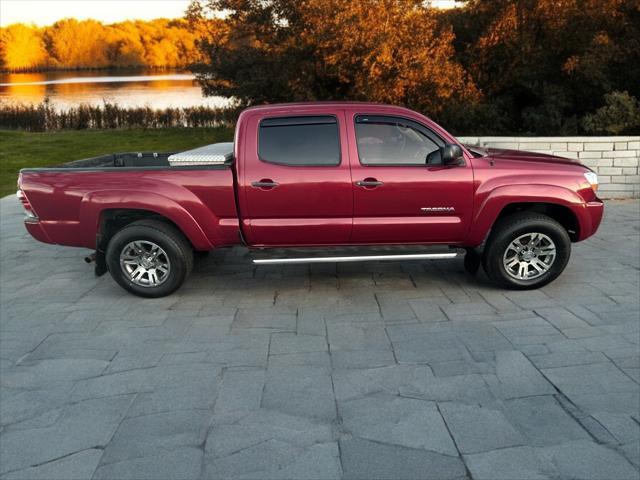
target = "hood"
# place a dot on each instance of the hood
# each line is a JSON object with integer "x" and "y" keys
{"x": 519, "y": 155}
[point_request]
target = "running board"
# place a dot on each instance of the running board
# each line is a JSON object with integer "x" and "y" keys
{"x": 379, "y": 256}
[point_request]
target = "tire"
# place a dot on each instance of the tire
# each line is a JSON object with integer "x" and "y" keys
{"x": 139, "y": 267}
{"x": 523, "y": 267}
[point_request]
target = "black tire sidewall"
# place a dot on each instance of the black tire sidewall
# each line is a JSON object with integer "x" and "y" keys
{"x": 177, "y": 273}
{"x": 494, "y": 266}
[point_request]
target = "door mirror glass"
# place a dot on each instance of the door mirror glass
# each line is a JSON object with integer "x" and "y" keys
{"x": 452, "y": 155}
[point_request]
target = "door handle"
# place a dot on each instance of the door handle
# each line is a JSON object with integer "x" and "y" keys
{"x": 368, "y": 183}
{"x": 265, "y": 183}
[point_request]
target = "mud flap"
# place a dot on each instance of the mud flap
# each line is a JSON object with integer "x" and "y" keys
{"x": 472, "y": 261}
{"x": 101, "y": 263}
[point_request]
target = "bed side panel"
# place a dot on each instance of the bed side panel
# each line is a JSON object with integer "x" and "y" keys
{"x": 69, "y": 203}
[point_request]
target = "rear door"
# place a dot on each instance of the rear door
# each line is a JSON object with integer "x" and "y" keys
{"x": 296, "y": 180}
{"x": 402, "y": 192}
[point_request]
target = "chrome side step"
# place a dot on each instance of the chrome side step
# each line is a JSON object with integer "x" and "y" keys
{"x": 355, "y": 258}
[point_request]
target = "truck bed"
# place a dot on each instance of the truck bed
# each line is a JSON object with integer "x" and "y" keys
{"x": 116, "y": 160}
{"x": 217, "y": 154}
{"x": 70, "y": 200}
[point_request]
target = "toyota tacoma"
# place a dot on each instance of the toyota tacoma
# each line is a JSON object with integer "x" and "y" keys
{"x": 318, "y": 182}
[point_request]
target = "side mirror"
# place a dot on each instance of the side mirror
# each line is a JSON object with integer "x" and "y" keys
{"x": 452, "y": 155}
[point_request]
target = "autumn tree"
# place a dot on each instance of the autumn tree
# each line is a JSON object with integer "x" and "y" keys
{"x": 126, "y": 47}
{"x": 22, "y": 48}
{"x": 391, "y": 51}
{"x": 74, "y": 44}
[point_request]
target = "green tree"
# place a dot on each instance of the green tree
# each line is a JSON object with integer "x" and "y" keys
{"x": 620, "y": 114}
{"x": 548, "y": 62}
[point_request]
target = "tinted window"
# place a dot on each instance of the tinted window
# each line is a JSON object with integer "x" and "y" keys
{"x": 299, "y": 141}
{"x": 391, "y": 141}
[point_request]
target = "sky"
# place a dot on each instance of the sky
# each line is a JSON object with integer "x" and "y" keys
{"x": 46, "y": 12}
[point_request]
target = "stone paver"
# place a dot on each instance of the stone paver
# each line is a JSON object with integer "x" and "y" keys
{"x": 479, "y": 429}
{"x": 364, "y": 460}
{"x": 396, "y": 420}
{"x": 379, "y": 370}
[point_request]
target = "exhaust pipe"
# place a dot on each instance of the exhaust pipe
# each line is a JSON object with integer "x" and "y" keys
{"x": 90, "y": 258}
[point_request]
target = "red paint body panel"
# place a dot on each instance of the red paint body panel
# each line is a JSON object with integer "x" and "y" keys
{"x": 69, "y": 204}
{"x": 310, "y": 205}
{"x": 313, "y": 205}
{"x": 391, "y": 213}
{"x": 504, "y": 181}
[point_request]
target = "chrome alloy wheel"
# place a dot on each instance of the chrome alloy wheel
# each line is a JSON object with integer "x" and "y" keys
{"x": 145, "y": 263}
{"x": 529, "y": 256}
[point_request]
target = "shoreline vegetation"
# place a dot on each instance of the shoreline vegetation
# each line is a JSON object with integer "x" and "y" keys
{"x": 19, "y": 149}
{"x": 45, "y": 117}
{"x": 107, "y": 68}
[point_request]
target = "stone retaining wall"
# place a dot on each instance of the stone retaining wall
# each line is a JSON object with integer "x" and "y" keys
{"x": 615, "y": 159}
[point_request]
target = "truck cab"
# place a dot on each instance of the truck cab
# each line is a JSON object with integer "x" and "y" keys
{"x": 361, "y": 174}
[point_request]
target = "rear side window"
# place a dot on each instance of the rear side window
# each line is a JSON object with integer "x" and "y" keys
{"x": 299, "y": 141}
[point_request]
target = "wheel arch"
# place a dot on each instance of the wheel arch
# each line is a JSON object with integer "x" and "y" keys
{"x": 563, "y": 205}
{"x": 105, "y": 211}
{"x": 112, "y": 220}
{"x": 560, "y": 213}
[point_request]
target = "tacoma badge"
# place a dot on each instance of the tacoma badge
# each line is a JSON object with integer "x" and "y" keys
{"x": 437, "y": 209}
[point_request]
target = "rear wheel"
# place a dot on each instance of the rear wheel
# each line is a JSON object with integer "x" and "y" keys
{"x": 526, "y": 251}
{"x": 149, "y": 258}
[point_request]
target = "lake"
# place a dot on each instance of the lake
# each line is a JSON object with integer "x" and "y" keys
{"x": 157, "y": 89}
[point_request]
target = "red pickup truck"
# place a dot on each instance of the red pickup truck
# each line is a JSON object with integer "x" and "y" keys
{"x": 318, "y": 182}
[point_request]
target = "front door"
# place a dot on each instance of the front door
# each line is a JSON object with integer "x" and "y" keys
{"x": 296, "y": 181}
{"x": 402, "y": 192}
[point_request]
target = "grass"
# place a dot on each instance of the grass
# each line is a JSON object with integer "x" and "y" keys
{"x": 20, "y": 149}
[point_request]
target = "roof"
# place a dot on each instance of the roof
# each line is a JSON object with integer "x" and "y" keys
{"x": 325, "y": 107}
{"x": 324, "y": 104}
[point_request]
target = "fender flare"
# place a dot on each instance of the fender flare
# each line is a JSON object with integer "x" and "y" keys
{"x": 94, "y": 203}
{"x": 494, "y": 201}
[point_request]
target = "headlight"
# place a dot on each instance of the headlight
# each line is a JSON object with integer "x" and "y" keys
{"x": 592, "y": 178}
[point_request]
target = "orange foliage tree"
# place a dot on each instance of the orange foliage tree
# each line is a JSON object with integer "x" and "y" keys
{"x": 499, "y": 66}
{"x": 74, "y": 44}
{"x": 22, "y": 48}
{"x": 391, "y": 51}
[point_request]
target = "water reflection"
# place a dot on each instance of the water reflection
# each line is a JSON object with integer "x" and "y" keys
{"x": 135, "y": 88}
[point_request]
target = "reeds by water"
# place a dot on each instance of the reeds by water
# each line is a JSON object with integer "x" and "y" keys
{"x": 45, "y": 117}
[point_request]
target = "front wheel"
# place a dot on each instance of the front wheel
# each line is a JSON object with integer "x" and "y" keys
{"x": 149, "y": 258}
{"x": 526, "y": 251}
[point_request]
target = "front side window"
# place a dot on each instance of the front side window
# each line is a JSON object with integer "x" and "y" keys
{"x": 299, "y": 141}
{"x": 393, "y": 141}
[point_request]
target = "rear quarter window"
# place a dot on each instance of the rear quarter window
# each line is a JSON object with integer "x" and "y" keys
{"x": 299, "y": 141}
